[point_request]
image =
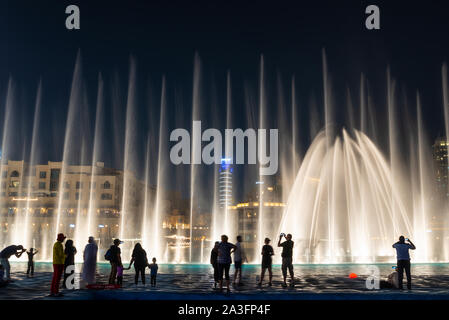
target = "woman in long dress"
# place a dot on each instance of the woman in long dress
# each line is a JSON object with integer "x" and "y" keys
{"x": 90, "y": 261}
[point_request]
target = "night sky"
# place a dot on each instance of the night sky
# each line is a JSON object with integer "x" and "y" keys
{"x": 163, "y": 37}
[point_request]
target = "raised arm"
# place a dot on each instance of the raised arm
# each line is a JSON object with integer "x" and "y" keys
{"x": 412, "y": 245}
{"x": 279, "y": 242}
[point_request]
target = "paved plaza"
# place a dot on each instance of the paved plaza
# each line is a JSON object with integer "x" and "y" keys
{"x": 313, "y": 282}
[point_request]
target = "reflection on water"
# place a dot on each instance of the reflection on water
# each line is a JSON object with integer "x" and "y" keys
{"x": 421, "y": 269}
{"x": 195, "y": 281}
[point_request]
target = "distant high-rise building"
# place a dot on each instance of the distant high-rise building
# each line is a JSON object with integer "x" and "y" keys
{"x": 440, "y": 157}
{"x": 225, "y": 184}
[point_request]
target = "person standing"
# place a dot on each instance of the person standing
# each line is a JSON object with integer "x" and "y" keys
{"x": 90, "y": 261}
{"x": 403, "y": 258}
{"x": 214, "y": 262}
{"x": 6, "y": 253}
{"x": 30, "y": 269}
{"x": 115, "y": 260}
{"x": 70, "y": 252}
{"x": 139, "y": 257}
{"x": 153, "y": 274}
{"x": 224, "y": 260}
{"x": 287, "y": 257}
{"x": 267, "y": 253}
{"x": 239, "y": 257}
{"x": 58, "y": 265}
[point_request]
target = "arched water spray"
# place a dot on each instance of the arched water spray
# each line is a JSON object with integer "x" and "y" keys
{"x": 360, "y": 233}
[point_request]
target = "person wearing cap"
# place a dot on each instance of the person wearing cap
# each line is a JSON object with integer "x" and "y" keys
{"x": 58, "y": 265}
{"x": 90, "y": 261}
{"x": 267, "y": 253}
{"x": 6, "y": 253}
{"x": 287, "y": 257}
{"x": 116, "y": 260}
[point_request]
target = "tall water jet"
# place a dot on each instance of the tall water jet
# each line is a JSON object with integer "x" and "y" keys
{"x": 160, "y": 179}
{"x": 296, "y": 159}
{"x": 71, "y": 141}
{"x": 362, "y": 104}
{"x": 392, "y": 134}
{"x": 420, "y": 217}
{"x": 98, "y": 141}
{"x": 27, "y": 230}
{"x": 127, "y": 218}
{"x": 81, "y": 213}
{"x": 228, "y": 151}
{"x": 6, "y": 136}
{"x": 146, "y": 222}
{"x": 220, "y": 208}
{"x": 328, "y": 121}
{"x": 286, "y": 146}
{"x": 196, "y": 149}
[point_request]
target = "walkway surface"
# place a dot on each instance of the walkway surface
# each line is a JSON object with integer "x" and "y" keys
{"x": 194, "y": 282}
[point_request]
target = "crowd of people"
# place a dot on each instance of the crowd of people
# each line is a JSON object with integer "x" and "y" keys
{"x": 64, "y": 264}
{"x": 220, "y": 259}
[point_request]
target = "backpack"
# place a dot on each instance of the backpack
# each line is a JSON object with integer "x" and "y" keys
{"x": 108, "y": 255}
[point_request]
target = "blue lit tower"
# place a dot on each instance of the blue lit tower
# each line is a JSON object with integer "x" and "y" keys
{"x": 225, "y": 184}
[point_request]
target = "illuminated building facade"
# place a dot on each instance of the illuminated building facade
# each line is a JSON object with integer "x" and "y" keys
{"x": 39, "y": 190}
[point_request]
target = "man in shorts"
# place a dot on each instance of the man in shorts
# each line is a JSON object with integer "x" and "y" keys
{"x": 287, "y": 257}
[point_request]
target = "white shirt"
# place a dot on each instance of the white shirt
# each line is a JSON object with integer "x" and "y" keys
{"x": 238, "y": 252}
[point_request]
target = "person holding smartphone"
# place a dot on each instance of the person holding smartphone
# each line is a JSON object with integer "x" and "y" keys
{"x": 403, "y": 257}
{"x": 287, "y": 257}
